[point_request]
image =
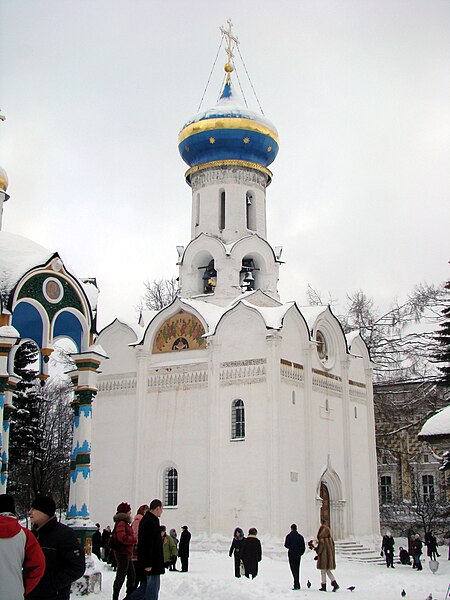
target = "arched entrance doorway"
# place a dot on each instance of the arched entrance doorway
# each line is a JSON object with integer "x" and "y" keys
{"x": 325, "y": 516}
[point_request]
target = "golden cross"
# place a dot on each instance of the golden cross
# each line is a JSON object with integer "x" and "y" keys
{"x": 231, "y": 41}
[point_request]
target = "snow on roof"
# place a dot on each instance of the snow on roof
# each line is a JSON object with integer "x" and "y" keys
{"x": 438, "y": 424}
{"x": 312, "y": 313}
{"x": 273, "y": 315}
{"x": 91, "y": 291}
{"x": 18, "y": 256}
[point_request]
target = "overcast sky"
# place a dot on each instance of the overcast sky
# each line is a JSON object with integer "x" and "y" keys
{"x": 95, "y": 93}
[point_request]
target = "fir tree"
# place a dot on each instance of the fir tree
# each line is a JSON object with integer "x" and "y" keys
{"x": 25, "y": 438}
{"x": 443, "y": 339}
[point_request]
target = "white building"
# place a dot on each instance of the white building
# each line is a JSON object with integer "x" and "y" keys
{"x": 231, "y": 406}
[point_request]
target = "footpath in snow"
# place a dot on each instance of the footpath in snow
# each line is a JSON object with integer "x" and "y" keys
{"x": 211, "y": 577}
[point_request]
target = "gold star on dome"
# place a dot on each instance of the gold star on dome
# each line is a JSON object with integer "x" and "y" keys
{"x": 246, "y": 140}
{"x": 187, "y": 148}
{"x": 269, "y": 149}
{"x": 212, "y": 140}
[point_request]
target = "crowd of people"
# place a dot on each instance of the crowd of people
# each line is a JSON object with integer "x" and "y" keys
{"x": 42, "y": 563}
{"x": 412, "y": 555}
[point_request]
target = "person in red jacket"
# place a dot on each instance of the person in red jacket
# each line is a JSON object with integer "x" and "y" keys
{"x": 122, "y": 542}
{"x": 22, "y": 562}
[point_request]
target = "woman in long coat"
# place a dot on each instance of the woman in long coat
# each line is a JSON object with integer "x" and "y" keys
{"x": 235, "y": 549}
{"x": 326, "y": 560}
{"x": 251, "y": 553}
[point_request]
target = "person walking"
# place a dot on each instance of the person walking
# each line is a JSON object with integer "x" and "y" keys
{"x": 173, "y": 535}
{"x": 64, "y": 557}
{"x": 251, "y": 553}
{"x": 183, "y": 548}
{"x": 295, "y": 543}
{"x": 387, "y": 546}
{"x": 122, "y": 542}
{"x": 431, "y": 544}
{"x": 326, "y": 560}
{"x": 22, "y": 562}
{"x": 150, "y": 549}
{"x": 235, "y": 550}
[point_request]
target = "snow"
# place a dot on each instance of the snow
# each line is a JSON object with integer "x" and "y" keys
{"x": 438, "y": 424}
{"x": 211, "y": 577}
{"x": 19, "y": 255}
{"x": 8, "y": 331}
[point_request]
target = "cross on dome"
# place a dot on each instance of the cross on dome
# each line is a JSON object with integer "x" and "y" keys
{"x": 232, "y": 41}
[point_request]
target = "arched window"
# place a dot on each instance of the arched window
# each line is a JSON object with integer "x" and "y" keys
{"x": 237, "y": 420}
{"x": 250, "y": 211}
{"x": 170, "y": 487}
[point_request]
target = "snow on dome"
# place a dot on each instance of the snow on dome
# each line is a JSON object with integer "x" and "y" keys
{"x": 18, "y": 256}
{"x": 3, "y": 179}
{"x": 228, "y": 132}
{"x": 438, "y": 424}
{"x": 9, "y": 331}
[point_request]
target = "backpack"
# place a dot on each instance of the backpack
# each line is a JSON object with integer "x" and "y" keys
{"x": 114, "y": 543}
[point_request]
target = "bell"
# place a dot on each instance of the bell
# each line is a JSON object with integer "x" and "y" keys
{"x": 249, "y": 277}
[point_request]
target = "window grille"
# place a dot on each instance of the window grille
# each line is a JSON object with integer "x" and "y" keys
{"x": 386, "y": 489}
{"x": 428, "y": 488}
{"x": 237, "y": 420}
{"x": 171, "y": 487}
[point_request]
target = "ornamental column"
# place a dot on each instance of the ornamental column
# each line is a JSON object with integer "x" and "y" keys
{"x": 4, "y": 431}
{"x": 87, "y": 364}
{"x": 8, "y": 338}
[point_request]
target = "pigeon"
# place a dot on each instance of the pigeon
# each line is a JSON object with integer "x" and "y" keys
{"x": 308, "y": 584}
{"x": 430, "y": 597}
{"x": 403, "y": 593}
{"x": 351, "y": 588}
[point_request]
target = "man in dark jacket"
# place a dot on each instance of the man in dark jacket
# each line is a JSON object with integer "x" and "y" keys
{"x": 183, "y": 548}
{"x": 64, "y": 557}
{"x": 150, "y": 549}
{"x": 295, "y": 544}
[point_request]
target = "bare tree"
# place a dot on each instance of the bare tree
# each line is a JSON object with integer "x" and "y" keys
{"x": 160, "y": 293}
{"x": 399, "y": 348}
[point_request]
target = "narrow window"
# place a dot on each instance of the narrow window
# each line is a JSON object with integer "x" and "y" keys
{"x": 197, "y": 210}
{"x": 428, "y": 488}
{"x": 386, "y": 489}
{"x": 237, "y": 420}
{"x": 426, "y": 458}
{"x": 327, "y": 405}
{"x": 222, "y": 210}
{"x": 293, "y": 396}
{"x": 171, "y": 487}
{"x": 356, "y": 412}
{"x": 250, "y": 211}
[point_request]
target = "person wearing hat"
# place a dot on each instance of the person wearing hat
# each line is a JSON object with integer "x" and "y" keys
{"x": 183, "y": 548}
{"x": 64, "y": 557}
{"x": 22, "y": 562}
{"x": 122, "y": 542}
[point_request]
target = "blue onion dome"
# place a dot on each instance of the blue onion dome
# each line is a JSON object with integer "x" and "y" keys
{"x": 228, "y": 133}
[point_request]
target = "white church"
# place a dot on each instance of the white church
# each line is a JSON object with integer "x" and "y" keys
{"x": 232, "y": 406}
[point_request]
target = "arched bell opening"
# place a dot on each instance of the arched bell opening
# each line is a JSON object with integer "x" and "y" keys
{"x": 209, "y": 277}
{"x": 249, "y": 274}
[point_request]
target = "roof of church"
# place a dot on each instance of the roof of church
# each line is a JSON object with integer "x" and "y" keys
{"x": 228, "y": 131}
{"x": 19, "y": 255}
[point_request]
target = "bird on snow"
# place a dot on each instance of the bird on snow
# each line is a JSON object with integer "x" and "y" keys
{"x": 403, "y": 593}
{"x": 351, "y": 588}
{"x": 308, "y": 584}
{"x": 430, "y": 597}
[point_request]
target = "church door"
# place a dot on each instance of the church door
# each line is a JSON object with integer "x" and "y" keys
{"x": 325, "y": 509}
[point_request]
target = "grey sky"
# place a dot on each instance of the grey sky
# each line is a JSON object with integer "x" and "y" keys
{"x": 95, "y": 93}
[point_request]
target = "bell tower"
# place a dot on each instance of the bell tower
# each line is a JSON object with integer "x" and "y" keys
{"x": 228, "y": 149}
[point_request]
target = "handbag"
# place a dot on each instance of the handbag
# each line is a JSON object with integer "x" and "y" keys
{"x": 114, "y": 543}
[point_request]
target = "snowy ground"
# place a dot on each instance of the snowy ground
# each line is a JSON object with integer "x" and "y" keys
{"x": 211, "y": 577}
